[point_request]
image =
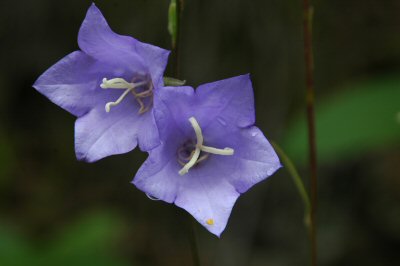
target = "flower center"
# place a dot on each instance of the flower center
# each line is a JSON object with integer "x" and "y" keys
{"x": 142, "y": 90}
{"x": 192, "y": 154}
{"x": 186, "y": 151}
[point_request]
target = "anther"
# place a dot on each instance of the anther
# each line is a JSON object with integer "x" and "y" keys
{"x": 116, "y": 83}
{"x": 120, "y": 83}
{"x": 200, "y": 147}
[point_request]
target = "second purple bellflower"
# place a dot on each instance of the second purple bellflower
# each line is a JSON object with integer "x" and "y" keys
{"x": 210, "y": 150}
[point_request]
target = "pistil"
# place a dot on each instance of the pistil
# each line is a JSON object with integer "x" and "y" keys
{"x": 120, "y": 83}
{"x": 200, "y": 147}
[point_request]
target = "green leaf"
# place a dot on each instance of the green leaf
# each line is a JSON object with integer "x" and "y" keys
{"x": 173, "y": 82}
{"x": 361, "y": 117}
{"x": 173, "y": 21}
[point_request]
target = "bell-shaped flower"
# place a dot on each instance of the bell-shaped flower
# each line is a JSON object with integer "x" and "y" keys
{"x": 109, "y": 85}
{"x": 211, "y": 152}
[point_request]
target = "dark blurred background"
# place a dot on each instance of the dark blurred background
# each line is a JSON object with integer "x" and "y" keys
{"x": 55, "y": 210}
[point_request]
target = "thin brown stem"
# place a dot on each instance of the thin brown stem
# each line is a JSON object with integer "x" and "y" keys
{"x": 309, "y": 68}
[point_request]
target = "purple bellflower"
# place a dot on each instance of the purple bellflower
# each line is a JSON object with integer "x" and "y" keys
{"x": 109, "y": 85}
{"x": 210, "y": 150}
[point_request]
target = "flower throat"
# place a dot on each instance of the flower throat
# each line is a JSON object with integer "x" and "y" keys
{"x": 193, "y": 154}
{"x": 142, "y": 90}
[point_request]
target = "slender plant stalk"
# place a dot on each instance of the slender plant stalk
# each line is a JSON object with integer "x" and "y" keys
{"x": 289, "y": 166}
{"x": 310, "y": 99}
{"x": 175, "y": 32}
{"x": 177, "y": 43}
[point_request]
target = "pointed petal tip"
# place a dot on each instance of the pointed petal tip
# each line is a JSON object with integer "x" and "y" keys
{"x": 242, "y": 76}
{"x": 35, "y": 85}
{"x": 247, "y": 77}
{"x": 133, "y": 182}
{"x": 213, "y": 229}
{"x": 93, "y": 7}
{"x": 94, "y": 12}
{"x": 279, "y": 166}
{"x": 216, "y": 233}
{"x": 39, "y": 81}
{"x": 166, "y": 52}
{"x": 83, "y": 158}
{"x": 273, "y": 169}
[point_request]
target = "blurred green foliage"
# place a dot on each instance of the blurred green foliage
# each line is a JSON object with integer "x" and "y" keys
{"x": 360, "y": 117}
{"x": 89, "y": 241}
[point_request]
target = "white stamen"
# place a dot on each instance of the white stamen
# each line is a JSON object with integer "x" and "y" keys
{"x": 200, "y": 147}
{"x": 191, "y": 163}
{"x": 116, "y": 83}
{"x": 197, "y": 130}
{"x": 225, "y": 151}
{"x": 119, "y": 83}
{"x": 109, "y": 104}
